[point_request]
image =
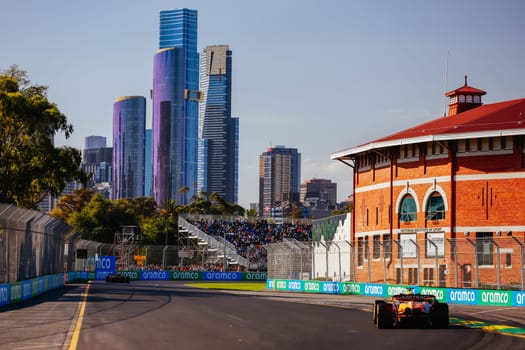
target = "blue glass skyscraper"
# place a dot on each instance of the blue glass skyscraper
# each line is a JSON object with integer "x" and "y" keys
{"x": 129, "y": 126}
{"x": 147, "y": 163}
{"x": 176, "y": 99}
{"x": 218, "y": 131}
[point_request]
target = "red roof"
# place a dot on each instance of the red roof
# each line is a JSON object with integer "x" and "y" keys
{"x": 466, "y": 90}
{"x": 495, "y": 116}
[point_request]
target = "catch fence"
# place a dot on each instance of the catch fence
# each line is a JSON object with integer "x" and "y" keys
{"x": 438, "y": 262}
{"x": 32, "y": 244}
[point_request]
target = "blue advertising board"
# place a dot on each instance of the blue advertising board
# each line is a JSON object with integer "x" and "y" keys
{"x": 222, "y": 276}
{"x": 105, "y": 266}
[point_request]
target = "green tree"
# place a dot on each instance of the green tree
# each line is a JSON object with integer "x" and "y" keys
{"x": 74, "y": 202}
{"x": 30, "y": 165}
{"x": 102, "y": 218}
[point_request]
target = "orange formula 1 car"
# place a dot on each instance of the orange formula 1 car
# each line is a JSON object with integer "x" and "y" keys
{"x": 410, "y": 309}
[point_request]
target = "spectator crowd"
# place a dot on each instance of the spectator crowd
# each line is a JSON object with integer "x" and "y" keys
{"x": 249, "y": 238}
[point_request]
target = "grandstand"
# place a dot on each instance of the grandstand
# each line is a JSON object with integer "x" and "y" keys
{"x": 247, "y": 238}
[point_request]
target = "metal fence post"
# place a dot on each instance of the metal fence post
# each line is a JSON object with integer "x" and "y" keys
{"x": 437, "y": 262}
{"x": 384, "y": 261}
{"x": 455, "y": 257}
{"x": 339, "y": 249}
{"x": 498, "y": 262}
{"x": 521, "y": 258}
{"x": 418, "y": 261}
{"x": 352, "y": 262}
{"x": 475, "y": 261}
{"x": 400, "y": 253}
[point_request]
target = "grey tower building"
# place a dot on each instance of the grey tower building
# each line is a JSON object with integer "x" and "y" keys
{"x": 218, "y": 131}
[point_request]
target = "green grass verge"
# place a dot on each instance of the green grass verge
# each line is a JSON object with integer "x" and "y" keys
{"x": 250, "y": 286}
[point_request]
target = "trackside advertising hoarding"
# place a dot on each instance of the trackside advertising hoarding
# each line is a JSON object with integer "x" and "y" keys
{"x": 451, "y": 295}
{"x": 165, "y": 275}
{"x": 11, "y": 293}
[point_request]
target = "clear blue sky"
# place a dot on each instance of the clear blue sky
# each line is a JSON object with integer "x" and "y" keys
{"x": 320, "y": 76}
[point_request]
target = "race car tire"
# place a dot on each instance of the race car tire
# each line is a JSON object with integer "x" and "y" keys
{"x": 385, "y": 316}
{"x": 439, "y": 315}
{"x": 376, "y": 309}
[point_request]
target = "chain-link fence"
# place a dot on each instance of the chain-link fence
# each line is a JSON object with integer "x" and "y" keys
{"x": 475, "y": 260}
{"x": 32, "y": 244}
{"x": 289, "y": 259}
{"x": 438, "y": 262}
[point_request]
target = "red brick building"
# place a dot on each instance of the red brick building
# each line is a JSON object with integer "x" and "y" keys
{"x": 443, "y": 203}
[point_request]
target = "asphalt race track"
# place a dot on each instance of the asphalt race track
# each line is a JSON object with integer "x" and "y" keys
{"x": 170, "y": 315}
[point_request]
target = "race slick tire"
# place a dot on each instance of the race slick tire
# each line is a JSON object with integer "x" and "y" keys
{"x": 385, "y": 316}
{"x": 439, "y": 315}
{"x": 375, "y": 310}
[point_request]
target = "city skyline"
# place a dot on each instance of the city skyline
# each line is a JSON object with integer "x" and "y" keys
{"x": 364, "y": 69}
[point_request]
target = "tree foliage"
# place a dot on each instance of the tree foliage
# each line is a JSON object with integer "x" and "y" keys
{"x": 30, "y": 165}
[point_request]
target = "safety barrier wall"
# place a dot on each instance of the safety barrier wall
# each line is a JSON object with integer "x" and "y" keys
{"x": 483, "y": 297}
{"x": 11, "y": 293}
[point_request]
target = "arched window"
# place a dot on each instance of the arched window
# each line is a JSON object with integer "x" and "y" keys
{"x": 435, "y": 207}
{"x": 408, "y": 211}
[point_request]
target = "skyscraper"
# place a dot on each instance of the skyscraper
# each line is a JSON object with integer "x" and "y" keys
{"x": 91, "y": 142}
{"x": 175, "y": 107}
{"x": 279, "y": 178}
{"x": 218, "y": 131}
{"x": 129, "y": 128}
{"x": 147, "y": 165}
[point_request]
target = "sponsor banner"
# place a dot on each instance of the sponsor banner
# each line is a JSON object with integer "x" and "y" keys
{"x": 27, "y": 289}
{"x": 106, "y": 264}
{"x": 91, "y": 275}
{"x": 133, "y": 275}
{"x": 351, "y": 288}
{"x": 331, "y": 287}
{"x": 254, "y": 276}
{"x": 222, "y": 276}
{"x": 155, "y": 275}
{"x": 41, "y": 283}
{"x": 50, "y": 284}
{"x": 374, "y": 290}
{"x": 439, "y": 293}
{"x": 280, "y": 285}
{"x": 4, "y": 294}
{"x": 494, "y": 298}
{"x": 462, "y": 296}
{"x": 15, "y": 292}
{"x": 101, "y": 275}
{"x": 270, "y": 284}
{"x": 312, "y": 286}
{"x": 294, "y": 285}
{"x": 34, "y": 287}
{"x": 186, "y": 275}
{"x": 394, "y": 289}
{"x": 518, "y": 298}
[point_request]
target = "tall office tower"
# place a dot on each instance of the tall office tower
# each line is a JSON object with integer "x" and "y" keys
{"x": 218, "y": 131}
{"x": 176, "y": 99}
{"x": 91, "y": 142}
{"x": 279, "y": 179}
{"x": 129, "y": 133}
{"x": 319, "y": 193}
{"x": 147, "y": 165}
